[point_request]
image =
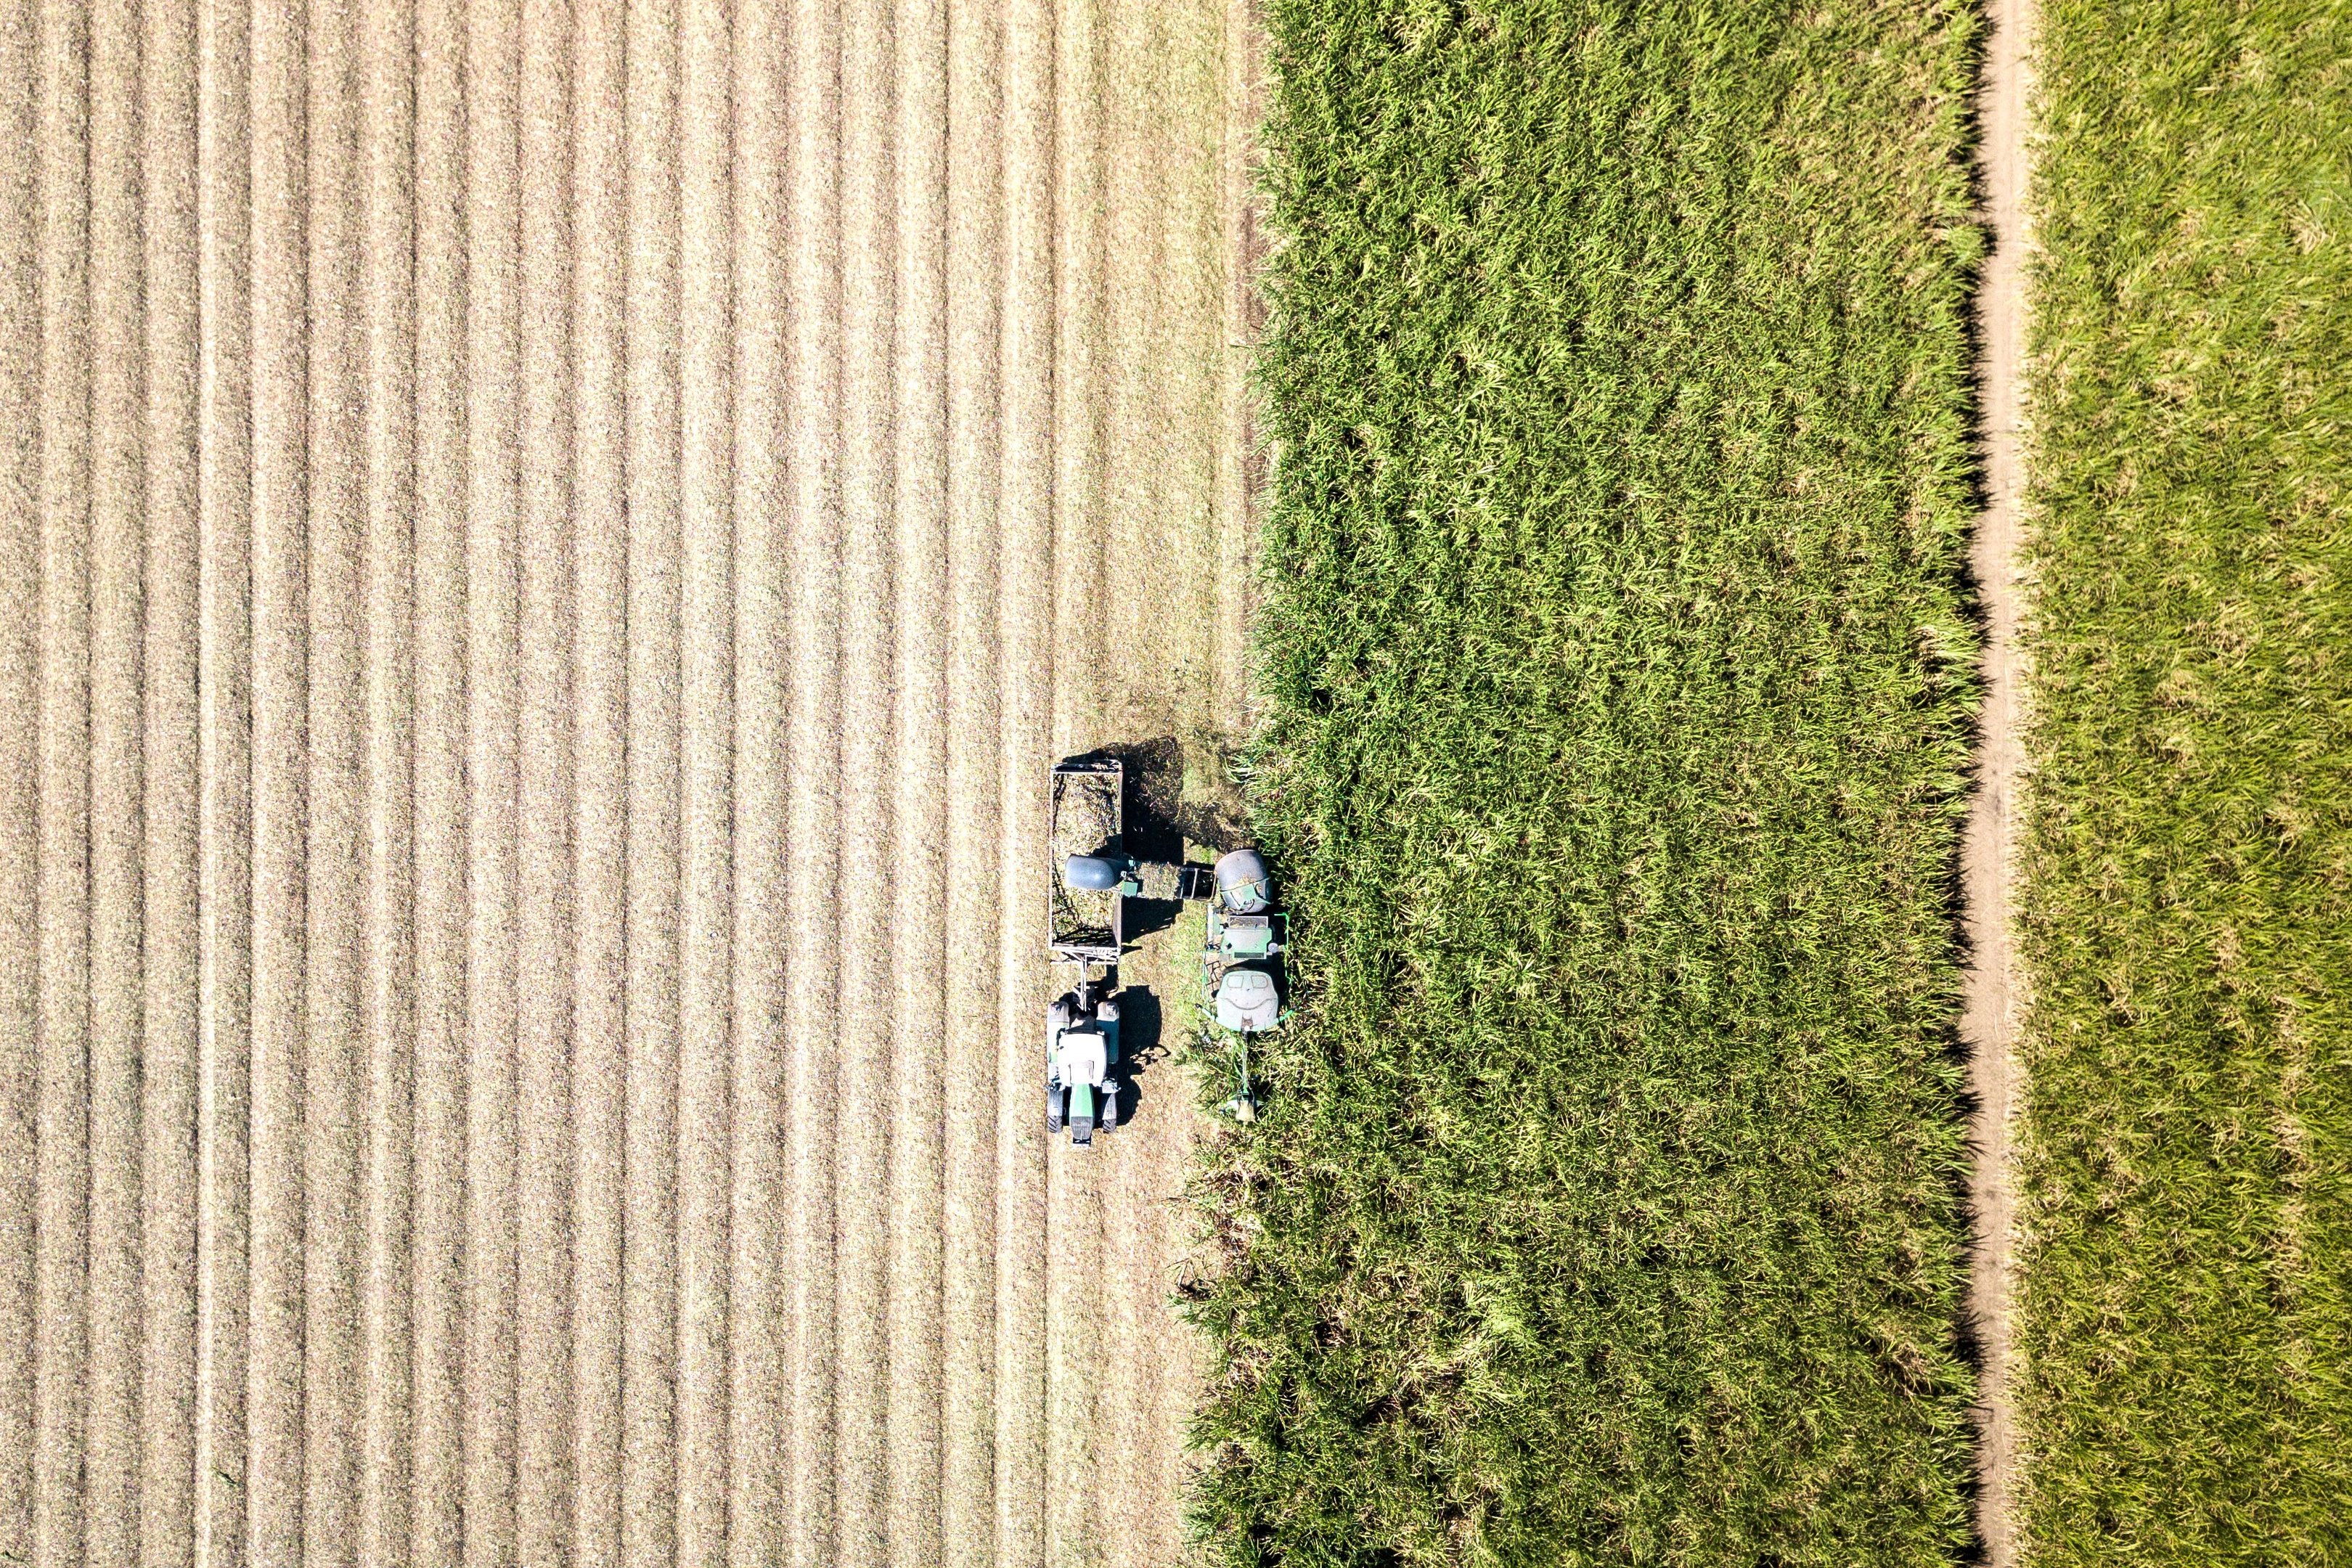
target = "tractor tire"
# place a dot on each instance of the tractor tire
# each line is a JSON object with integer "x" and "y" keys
{"x": 1053, "y": 1108}
{"x": 1109, "y": 1123}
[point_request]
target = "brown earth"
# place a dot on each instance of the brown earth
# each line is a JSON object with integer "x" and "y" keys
{"x": 1992, "y": 1001}
{"x": 545, "y": 553}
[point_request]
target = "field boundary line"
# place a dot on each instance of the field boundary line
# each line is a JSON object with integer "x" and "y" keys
{"x": 1990, "y": 997}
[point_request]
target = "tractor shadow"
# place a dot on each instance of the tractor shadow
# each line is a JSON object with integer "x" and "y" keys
{"x": 1140, "y": 1046}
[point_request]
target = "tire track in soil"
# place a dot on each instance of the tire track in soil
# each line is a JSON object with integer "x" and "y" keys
{"x": 1024, "y": 640}
{"x": 224, "y": 761}
{"x": 600, "y": 821}
{"x": 968, "y": 1513}
{"x": 275, "y": 1460}
{"x": 706, "y": 758}
{"x": 758, "y": 1227}
{"x": 436, "y": 1261}
{"x": 553, "y": 545}
{"x": 1072, "y": 1230}
{"x": 334, "y": 820}
{"x": 918, "y": 1208}
{"x": 170, "y": 908}
{"x": 387, "y": 151}
{"x": 492, "y": 695}
{"x": 650, "y": 1471}
{"x": 813, "y": 757}
{"x": 60, "y": 721}
{"x": 545, "y": 940}
{"x": 1140, "y": 620}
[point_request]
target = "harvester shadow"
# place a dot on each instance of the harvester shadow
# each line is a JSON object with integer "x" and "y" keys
{"x": 1155, "y": 783}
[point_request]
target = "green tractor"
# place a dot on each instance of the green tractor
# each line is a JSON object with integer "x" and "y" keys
{"x": 1082, "y": 1063}
{"x": 1087, "y": 926}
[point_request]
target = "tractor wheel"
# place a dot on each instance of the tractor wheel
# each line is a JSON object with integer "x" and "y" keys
{"x": 1109, "y": 1123}
{"x": 1053, "y": 1108}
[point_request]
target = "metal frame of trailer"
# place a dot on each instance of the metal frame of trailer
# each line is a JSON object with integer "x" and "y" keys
{"x": 1082, "y": 789}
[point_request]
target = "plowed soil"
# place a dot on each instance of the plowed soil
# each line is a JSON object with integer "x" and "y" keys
{"x": 545, "y": 553}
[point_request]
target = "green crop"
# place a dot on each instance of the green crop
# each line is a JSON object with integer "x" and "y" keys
{"x": 1618, "y": 686}
{"x": 2186, "y": 1301}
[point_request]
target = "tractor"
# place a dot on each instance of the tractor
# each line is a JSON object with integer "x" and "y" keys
{"x": 1085, "y": 927}
{"x": 1081, "y": 1063}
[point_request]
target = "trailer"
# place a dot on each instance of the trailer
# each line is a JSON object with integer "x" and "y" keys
{"x": 1087, "y": 823}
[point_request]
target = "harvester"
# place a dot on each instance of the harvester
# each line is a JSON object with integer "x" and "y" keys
{"x": 1093, "y": 877}
{"x": 1239, "y": 961}
{"x": 1241, "y": 964}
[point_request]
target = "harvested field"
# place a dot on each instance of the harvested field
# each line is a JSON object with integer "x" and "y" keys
{"x": 545, "y": 553}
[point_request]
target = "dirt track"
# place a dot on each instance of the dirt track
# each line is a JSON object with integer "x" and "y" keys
{"x": 1991, "y": 1002}
{"x": 544, "y": 554}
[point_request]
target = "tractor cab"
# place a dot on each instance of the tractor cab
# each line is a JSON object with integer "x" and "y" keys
{"x": 1247, "y": 939}
{"x": 1082, "y": 1058}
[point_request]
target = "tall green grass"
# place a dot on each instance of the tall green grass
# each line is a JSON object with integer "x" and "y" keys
{"x": 2186, "y": 1281}
{"x": 1618, "y": 689}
